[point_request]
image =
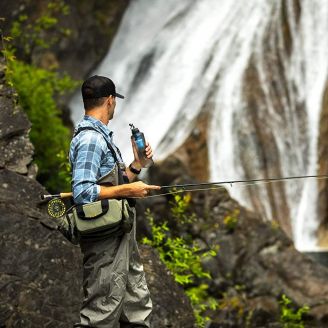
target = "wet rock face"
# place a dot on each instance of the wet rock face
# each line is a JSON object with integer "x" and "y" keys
{"x": 271, "y": 120}
{"x": 256, "y": 262}
{"x": 323, "y": 170}
{"x": 194, "y": 151}
{"x": 16, "y": 148}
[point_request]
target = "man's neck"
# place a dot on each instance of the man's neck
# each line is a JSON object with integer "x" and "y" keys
{"x": 98, "y": 114}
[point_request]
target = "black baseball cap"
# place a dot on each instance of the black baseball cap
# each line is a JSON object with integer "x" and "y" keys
{"x": 99, "y": 86}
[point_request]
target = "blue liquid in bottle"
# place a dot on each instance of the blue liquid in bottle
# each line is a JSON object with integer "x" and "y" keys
{"x": 138, "y": 139}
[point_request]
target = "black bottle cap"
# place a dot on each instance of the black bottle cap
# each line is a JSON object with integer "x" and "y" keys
{"x": 134, "y": 130}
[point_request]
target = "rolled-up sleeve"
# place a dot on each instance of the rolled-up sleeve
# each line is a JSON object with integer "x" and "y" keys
{"x": 88, "y": 153}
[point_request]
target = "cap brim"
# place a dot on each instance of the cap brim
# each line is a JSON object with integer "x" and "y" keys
{"x": 119, "y": 95}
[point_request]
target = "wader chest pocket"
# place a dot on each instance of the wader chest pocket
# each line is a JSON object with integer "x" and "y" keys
{"x": 100, "y": 218}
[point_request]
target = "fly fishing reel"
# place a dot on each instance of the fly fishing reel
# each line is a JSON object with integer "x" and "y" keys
{"x": 56, "y": 208}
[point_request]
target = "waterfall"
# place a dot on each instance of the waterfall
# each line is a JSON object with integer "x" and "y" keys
{"x": 310, "y": 59}
{"x": 170, "y": 58}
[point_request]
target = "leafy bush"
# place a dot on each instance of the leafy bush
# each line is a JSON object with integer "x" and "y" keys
{"x": 37, "y": 89}
{"x": 230, "y": 221}
{"x": 29, "y": 33}
{"x": 289, "y": 315}
{"x": 179, "y": 208}
{"x": 183, "y": 258}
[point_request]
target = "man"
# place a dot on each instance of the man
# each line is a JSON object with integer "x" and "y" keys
{"x": 114, "y": 285}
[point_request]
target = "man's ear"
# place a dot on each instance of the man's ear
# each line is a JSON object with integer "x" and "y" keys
{"x": 110, "y": 99}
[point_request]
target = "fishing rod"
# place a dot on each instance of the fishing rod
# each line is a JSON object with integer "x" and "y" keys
{"x": 57, "y": 208}
{"x": 255, "y": 181}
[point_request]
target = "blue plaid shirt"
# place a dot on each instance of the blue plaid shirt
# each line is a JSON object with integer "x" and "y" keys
{"x": 90, "y": 159}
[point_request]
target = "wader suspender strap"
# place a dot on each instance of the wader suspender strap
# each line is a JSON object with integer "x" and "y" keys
{"x": 122, "y": 178}
{"x": 110, "y": 147}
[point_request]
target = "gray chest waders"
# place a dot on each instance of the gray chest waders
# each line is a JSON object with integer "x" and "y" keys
{"x": 114, "y": 284}
{"x": 106, "y": 217}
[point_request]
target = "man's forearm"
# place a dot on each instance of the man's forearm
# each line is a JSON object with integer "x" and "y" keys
{"x": 120, "y": 191}
{"x": 135, "y": 189}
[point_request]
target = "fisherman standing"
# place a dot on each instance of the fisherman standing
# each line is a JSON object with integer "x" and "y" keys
{"x": 114, "y": 285}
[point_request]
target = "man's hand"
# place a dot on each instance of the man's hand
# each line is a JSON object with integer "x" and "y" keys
{"x": 149, "y": 154}
{"x": 136, "y": 163}
{"x": 148, "y": 150}
{"x": 141, "y": 189}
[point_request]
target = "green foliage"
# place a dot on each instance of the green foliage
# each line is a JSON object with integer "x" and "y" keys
{"x": 29, "y": 33}
{"x": 183, "y": 258}
{"x": 291, "y": 317}
{"x": 64, "y": 173}
{"x": 201, "y": 301}
{"x": 230, "y": 221}
{"x": 37, "y": 89}
{"x": 179, "y": 207}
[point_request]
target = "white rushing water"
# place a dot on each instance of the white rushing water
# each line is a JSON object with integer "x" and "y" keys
{"x": 171, "y": 57}
{"x": 310, "y": 59}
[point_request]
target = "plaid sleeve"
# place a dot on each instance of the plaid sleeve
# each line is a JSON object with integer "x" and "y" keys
{"x": 86, "y": 167}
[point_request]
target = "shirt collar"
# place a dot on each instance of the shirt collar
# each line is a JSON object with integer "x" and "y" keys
{"x": 98, "y": 125}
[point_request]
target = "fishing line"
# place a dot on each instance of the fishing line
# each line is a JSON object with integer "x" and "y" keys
{"x": 220, "y": 184}
{"x": 246, "y": 181}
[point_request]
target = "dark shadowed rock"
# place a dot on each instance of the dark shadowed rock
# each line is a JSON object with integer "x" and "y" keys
{"x": 171, "y": 306}
{"x": 39, "y": 269}
{"x": 16, "y": 148}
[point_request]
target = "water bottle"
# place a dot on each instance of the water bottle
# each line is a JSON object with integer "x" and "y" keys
{"x": 138, "y": 140}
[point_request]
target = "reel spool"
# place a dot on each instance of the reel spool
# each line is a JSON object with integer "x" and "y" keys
{"x": 56, "y": 208}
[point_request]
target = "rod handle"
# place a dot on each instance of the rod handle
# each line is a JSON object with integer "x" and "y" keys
{"x": 66, "y": 194}
{"x": 61, "y": 195}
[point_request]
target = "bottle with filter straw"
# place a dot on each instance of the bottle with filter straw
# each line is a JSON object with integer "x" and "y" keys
{"x": 138, "y": 140}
